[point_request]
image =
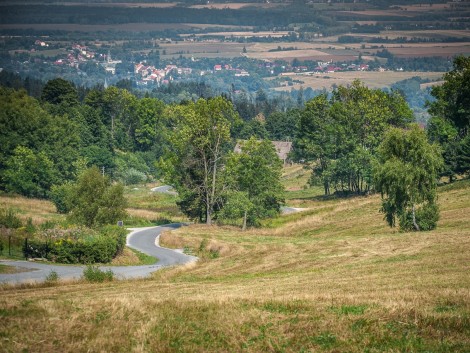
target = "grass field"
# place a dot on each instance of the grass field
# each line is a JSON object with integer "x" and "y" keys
{"x": 334, "y": 279}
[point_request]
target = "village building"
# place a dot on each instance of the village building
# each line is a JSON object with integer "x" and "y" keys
{"x": 283, "y": 148}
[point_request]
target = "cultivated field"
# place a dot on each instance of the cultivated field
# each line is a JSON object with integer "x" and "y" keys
{"x": 332, "y": 279}
{"x": 236, "y": 5}
{"x": 209, "y": 49}
{"x": 372, "y": 79}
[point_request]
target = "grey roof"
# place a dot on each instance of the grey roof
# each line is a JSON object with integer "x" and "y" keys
{"x": 282, "y": 148}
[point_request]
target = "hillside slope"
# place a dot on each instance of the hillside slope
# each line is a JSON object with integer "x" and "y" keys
{"x": 333, "y": 279}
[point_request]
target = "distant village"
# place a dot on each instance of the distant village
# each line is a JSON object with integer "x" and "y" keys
{"x": 145, "y": 74}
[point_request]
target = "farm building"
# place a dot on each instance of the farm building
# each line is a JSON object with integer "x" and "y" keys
{"x": 283, "y": 149}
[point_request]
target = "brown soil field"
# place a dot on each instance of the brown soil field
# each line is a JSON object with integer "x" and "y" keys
{"x": 300, "y": 54}
{"x": 379, "y": 13}
{"x": 305, "y": 51}
{"x": 430, "y": 84}
{"x": 203, "y": 49}
{"x": 246, "y": 34}
{"x": 430, "y": 51}
{"x": 425, "y": 7}
{"x": 372, "y": 79}
{"x": 235, "y": 5}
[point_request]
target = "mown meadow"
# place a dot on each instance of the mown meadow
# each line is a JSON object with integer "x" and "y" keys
{"x": 334, "y": 278}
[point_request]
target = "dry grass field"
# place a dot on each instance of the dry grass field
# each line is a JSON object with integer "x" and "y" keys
{"x": 332, "y": 279}
{"x": 39, "y": 211}
{"x": 371, "y": 79}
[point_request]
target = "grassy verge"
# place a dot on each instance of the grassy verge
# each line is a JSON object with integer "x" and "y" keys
{"x": 147, "y": 208}
{"x": 333, "y": 280}
{"x": 132, "y": 257}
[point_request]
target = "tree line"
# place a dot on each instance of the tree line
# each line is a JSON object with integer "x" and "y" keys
{"x": 50, "y": 141}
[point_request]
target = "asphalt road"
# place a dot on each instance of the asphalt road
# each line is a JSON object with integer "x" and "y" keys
{"x": 165, "y": 189}
{"x": 142, "y": 239}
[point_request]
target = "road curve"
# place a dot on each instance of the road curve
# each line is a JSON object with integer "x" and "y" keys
{"x": 142, "y": 239}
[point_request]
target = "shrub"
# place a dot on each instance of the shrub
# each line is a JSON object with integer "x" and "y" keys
{"x": 133, "y": 176}
{"x": 60, "y": 196}
{"x": 74, "y": 246}
{"x": 52, "y": 277}
{"x": 95, "y": 274}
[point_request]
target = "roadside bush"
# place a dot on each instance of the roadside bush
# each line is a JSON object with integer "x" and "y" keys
{"x": 52, "y": 277}
{"x": 95, "y": 274}
{"x": 73, "y": 246}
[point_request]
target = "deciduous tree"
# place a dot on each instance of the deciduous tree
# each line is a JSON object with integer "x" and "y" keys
{"x": 199, "y": 143}
{"x": 253, "y": 180}
{"x": 406, "y": 176}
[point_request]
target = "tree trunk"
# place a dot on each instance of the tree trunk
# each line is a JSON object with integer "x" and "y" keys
{"x": 414, "y": 218}
{"x": 244, "y": 220}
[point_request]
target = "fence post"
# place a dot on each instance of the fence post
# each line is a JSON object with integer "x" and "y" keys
{"x": 26, "y": 248}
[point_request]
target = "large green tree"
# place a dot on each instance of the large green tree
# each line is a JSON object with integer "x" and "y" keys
{"x": 339, "y": 135}
{"x": 199, "y": 140}
{"x": 406, "y": 176}
{"x": 28, "y": 173}
{"x": 450, "y": 117}
{"x": 253, "y": 180}
{"x": 60, "y": 91}
{"x": 92, "y": 200}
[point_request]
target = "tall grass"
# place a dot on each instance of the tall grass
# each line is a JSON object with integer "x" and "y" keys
{"x": 333, "y": 280}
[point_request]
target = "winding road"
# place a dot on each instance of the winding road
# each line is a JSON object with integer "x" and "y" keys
{"x": 143, "y": 239}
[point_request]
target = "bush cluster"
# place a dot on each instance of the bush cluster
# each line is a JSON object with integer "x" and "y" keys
{"x": 95, "y": 274}
{"x": 74, "y": 246}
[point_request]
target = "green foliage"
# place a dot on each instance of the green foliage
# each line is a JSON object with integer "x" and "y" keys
{"x": 253, "y": 178}
{"x": 52, "y": 277}
{"x": 341, "y": 134}
{"x": 93, "y": 201}
{"x": 73, "y": 246}
{"x": 350, "y": 309}
{"x": 131, "y": 168}
{"x": 149, "y": 130}
{"x": 426, "y": 218}
{"x": 9, "y": 219}
{"x": 133, "y": 176}
{"x": 406, "y": 176}
{"x": 60, "y": 195}
{"x": 28, "y": 173}
{"x": 59, "y": 91}
{"x": 199, "y": 142}
{"x": 95, "y": 274}
{"x": 450, "y": 122}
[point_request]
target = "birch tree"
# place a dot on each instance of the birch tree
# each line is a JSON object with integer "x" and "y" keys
{"x": 406, "y": 176}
